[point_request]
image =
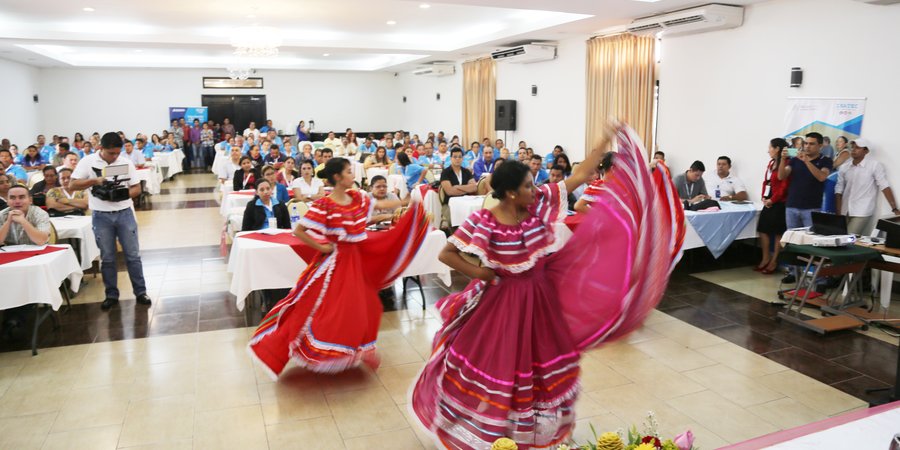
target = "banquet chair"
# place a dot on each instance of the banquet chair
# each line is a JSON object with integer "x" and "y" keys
{"x": 482, "y": 187}
{"x": 34, "y": 177}
{"x": 318, "y": 144}
{"x": 429, "y": 176}
{"x": 489, "y": 202}
{"x": 297, "y": 208}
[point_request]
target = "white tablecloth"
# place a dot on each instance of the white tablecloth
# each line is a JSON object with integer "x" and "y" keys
{"x": 358, "y": 170}
{"x": 375, "y": 171}
{"x": 219, "y": 161}
{"x": 238, "y": 199}
{"x": 79, "y": 227}
{"x": 37, "y": 279}
{"x": 251, "y": 264}
{"x": 462, "y": 207}
{"x": 431, "y": 203}
{"x": 693, "y": 240}
{"x": 152, "y": 177}
{"x": 169, "y": 163}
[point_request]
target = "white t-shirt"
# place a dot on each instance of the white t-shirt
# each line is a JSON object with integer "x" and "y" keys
{"x": 84, "y": 170}
{"x": 307, "y": 188}
{"x": 226, "y": 172}
{"x": 729, "y": 185}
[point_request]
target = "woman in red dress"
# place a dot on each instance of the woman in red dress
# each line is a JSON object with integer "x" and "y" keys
{"x": 506, "y": 361}
{"x": 329, "y": 321}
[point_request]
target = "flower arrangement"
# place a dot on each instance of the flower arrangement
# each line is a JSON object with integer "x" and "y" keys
{"x": 647, "y": 439}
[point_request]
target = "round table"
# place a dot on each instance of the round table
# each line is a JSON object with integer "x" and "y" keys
{"x": 235, "y": 199}
{"x": 169, "y": 163}
{"x": 257, "y": 265}
{"x": 81, "y": 228}
{"x": 152, "y": 179}
{"x": 37, "y": 279}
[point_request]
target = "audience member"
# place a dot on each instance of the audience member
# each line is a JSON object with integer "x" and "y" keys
{"x": 412, "y": 173}
{"x": 32, "y": 161}
{"x": 245, "y": 177}
{"x": 286, "y": 174}
{"x": 194, "y": 157}
{"x": 274, "y": 157}
{"x": 522, "y": 155}
{"x": 562, "y": 160}
{"x": 379, "y": 191}
{"x": 70, "y": 161}
{"x": 40, "y": 189}
{"x": 5, "y": 184}
{"x": 557, "y": 174}
{"x": 230, "y": 166}
{"x": 62, "y": 201}
{"x": 842, "y": 151}
{"x": 265, "y": 211}
{"x": 63, "y": 150}
{"x": 368, "y": 147}
{"x": 428, "y": 159}
{"x": 550, "y": 158}
{"x": 307, "y": 187}
{"x": 136, "y": 158}
{"x": 504, "y": 153}
{"x": 332, "y": 141}
{"x": 443, "y": 153}
{"x": 538, "y": 175}
{"x": 256, "y": 157}
{"x": 827, "y": 149}
{"x": 484, "y": 166}
{"x": 227, "y": 127}
{"x": 46, "y": 150}
{"x": 348, "y": 146}
{"x": 251, "y": 132}
{"x": 11, "y": 169}
{"x": 690, "y": 185}
{"x": 327, "y": 154}
{"x": 267, "y": 127}
{"x": 279, "y": 191}
{"x": 456, "y": 181}
{"x": 771, "y": 224}
{"x": 377, "y": 160}
{"x": 207, "y": 146}
{"x": 861, "y": 180}
{"x": 306, "y": 154}
{"x": 474, "y": 154}
{"x": 725, "y": 185}
{"x": 807, "y": 173}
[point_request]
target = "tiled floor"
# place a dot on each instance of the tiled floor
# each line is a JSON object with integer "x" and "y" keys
{"x": 177, "y": 375}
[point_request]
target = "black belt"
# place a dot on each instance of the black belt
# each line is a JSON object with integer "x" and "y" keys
{"x": 111, "y": 212}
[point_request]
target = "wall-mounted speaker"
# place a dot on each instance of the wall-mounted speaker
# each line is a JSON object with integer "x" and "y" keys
{"x": 35, "y": 97}
{"x": 404, "y": 99}
{"x": 796, "y": 77}
{"x": 505, "y": 117}
{"x": 439, "y": 96}
{"x": 533, "y": 90}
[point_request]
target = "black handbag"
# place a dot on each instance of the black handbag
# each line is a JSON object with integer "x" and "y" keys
{"x": 701, "y": 205}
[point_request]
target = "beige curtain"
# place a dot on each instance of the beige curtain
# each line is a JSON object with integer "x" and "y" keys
{"x": 479, "y": 94}
{"x": 621, "y": 73}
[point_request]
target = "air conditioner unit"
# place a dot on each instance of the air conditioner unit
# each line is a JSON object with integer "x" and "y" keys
{"x": 880, "y": 2}
{"x": 435, "y": 70}
{"x": 689, "y": 21}
{"x": 524, "y": 54}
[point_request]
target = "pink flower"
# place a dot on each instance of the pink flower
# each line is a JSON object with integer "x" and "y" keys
{"x": 685, "y": 441}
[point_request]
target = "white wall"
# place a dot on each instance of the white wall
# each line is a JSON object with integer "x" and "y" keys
{"x": 422, "y": 112}
{"x": 557, "y": 114}
{"x": 19, "y": 118}
{"x": 725, "y": 92}
{"x": 135, "y": 100}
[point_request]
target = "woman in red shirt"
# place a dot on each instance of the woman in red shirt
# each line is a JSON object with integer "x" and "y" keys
{"x": 771, "y": 218}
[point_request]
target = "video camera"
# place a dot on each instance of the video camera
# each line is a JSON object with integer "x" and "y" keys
{"x": 114, "y": 190}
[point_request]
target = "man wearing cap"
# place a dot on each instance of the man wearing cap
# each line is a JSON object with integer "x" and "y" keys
{"x": 859, "y": 183}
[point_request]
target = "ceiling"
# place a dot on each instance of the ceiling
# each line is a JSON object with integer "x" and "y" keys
{"x": 315, "y": 34}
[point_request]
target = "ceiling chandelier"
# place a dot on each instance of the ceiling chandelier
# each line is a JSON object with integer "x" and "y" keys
{"x": 250, "y": 43}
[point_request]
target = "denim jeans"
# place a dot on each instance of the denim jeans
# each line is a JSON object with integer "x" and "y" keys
{"x": 108, "y": 226}
{"x": 797, "y": 218}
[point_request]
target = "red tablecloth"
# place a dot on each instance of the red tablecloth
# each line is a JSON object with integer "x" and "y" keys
{"x": 301, "y": 249}
{"x": 8, "y": 257}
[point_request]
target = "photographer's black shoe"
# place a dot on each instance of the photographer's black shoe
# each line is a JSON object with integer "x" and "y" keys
{"x": 109, "y": 303}
{"x": 143, "y": 299}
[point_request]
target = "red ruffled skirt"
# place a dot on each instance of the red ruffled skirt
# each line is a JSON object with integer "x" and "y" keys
{"x": 329, "y": 321}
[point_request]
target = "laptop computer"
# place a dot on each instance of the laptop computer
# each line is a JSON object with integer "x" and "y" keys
{"x": 828, "y": 224}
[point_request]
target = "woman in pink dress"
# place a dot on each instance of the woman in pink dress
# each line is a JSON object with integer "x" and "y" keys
{"x": 506, "y": 361}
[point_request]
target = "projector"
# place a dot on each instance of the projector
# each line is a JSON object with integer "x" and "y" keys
{"x": 842, "y": 240}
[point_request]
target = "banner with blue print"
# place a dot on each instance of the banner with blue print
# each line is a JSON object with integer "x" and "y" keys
{"x": 831, "y": 117}
{"x": 189, "y": 114}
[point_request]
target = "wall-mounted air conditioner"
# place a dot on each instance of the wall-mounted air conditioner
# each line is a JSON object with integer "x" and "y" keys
{"x": 689, "y": 21}
{"x": 435, "y": 70}
{"x": 524, "y": 54}
{"x": 880, "y": 2}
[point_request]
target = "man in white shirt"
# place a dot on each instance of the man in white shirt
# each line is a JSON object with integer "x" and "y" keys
{"x": 230, "y": 167}
{"x": 137, "y": 158}
{"x": 333, "y": 143}
{"x": 859, "y": 183}
{"x": 113, "y": 215}
{"x": 252, "y": 131}
{"x": 725, "y": 186}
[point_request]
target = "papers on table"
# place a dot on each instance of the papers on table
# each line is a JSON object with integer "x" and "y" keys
{"x": 23, "y": 248}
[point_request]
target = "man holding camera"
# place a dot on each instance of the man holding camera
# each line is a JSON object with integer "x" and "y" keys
{"x": 113, "y": 216}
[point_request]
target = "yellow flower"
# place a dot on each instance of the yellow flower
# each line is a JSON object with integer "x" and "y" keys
{"x": 504, "y": 444}
{"x": 610, "y": 441}
{"x": 645, "y": 446}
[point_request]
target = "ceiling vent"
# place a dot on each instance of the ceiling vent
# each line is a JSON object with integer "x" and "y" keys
{"x": 435, "y": 70}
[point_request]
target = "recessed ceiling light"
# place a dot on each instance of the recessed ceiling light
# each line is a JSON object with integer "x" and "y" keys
{"x": 88, "y": 9}
{"x": 424, "y": 6}
{"x": 391, "y": 22}
{"x": 326, "y": 54}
